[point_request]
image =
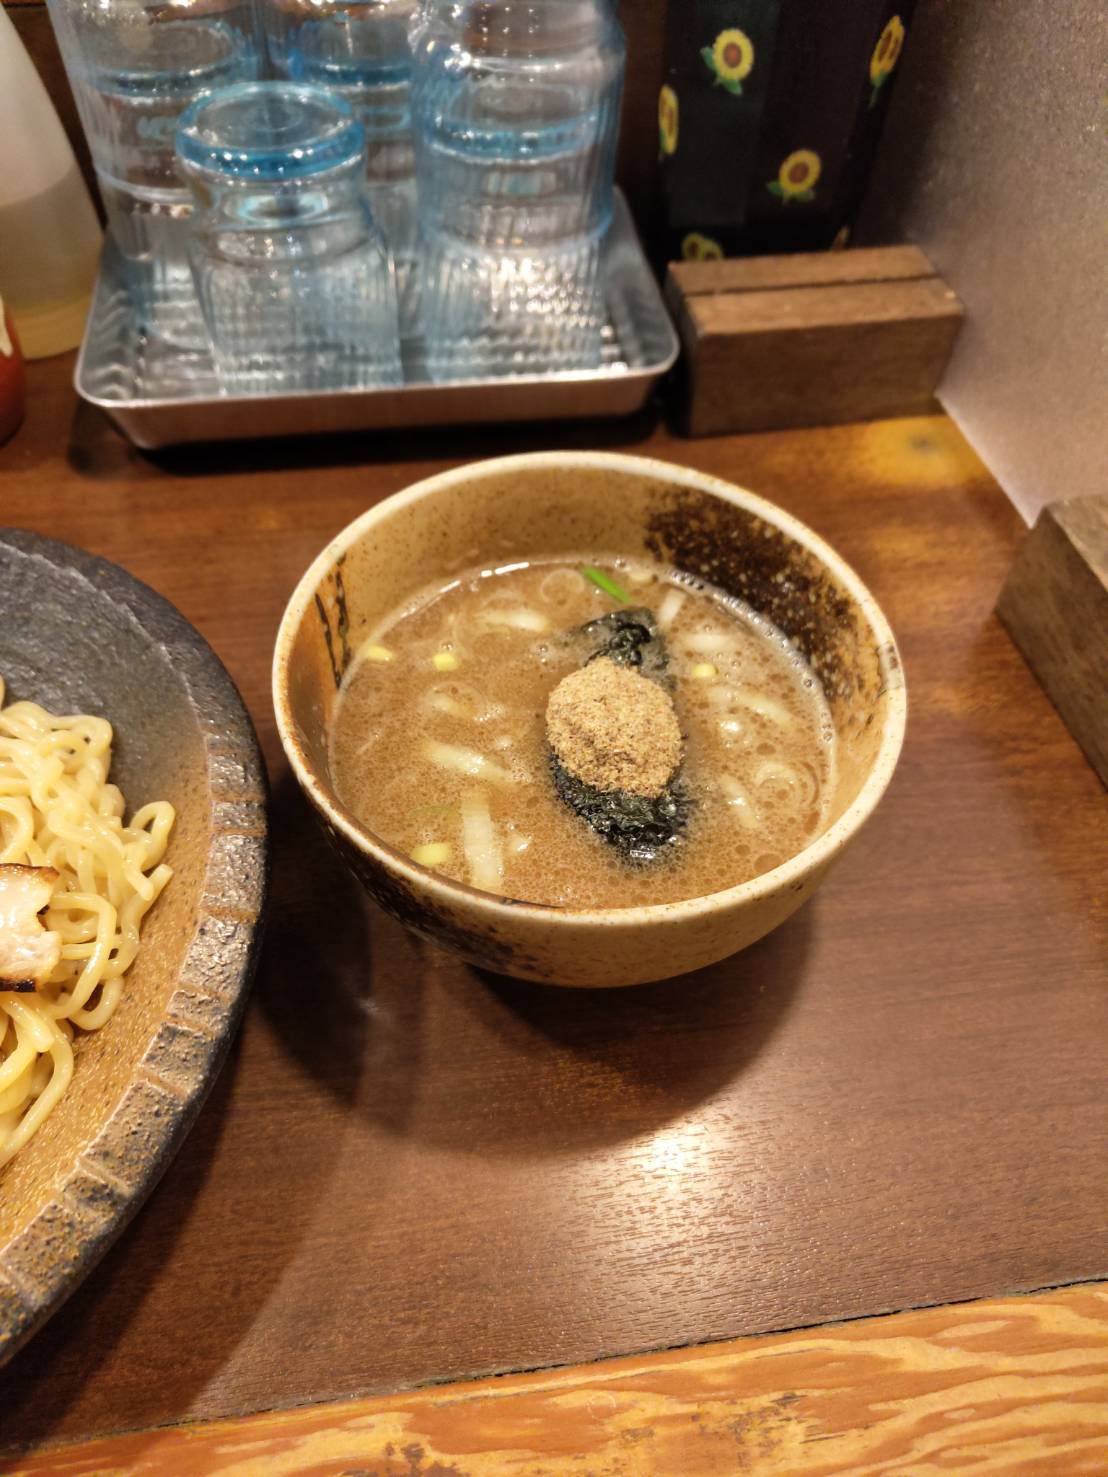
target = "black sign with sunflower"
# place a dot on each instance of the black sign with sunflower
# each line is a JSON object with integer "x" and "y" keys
{"x": 769, "y": 118}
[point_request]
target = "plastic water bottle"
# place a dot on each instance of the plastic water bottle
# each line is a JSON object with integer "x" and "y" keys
{"x": 516, "y": 110}
{"x": 295, "y": 283}
{"x": 134, "y": 70}
{"x": 359, "y": 49}
{"x": 49, "y": 234}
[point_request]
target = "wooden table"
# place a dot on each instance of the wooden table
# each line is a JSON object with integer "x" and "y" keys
{"x": 898, "y": 1099}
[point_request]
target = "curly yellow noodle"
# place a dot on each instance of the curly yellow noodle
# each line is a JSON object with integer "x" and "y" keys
{"x": 18, "y": 807}
{"x": 21, "y": 1054}
{"x": 13, "y": 1097}
{"x": 58, "y": 809}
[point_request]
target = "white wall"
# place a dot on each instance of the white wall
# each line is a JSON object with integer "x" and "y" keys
{"x": 995, "y": 161}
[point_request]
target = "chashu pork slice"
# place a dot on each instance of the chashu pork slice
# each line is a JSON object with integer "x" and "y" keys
{"x": 28, "y": 951}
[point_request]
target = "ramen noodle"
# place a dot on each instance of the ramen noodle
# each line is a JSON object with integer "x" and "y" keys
{"x": 76, "y": 880}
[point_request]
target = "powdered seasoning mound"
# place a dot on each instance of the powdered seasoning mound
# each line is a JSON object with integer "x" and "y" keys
{"x": 614, "y": 729}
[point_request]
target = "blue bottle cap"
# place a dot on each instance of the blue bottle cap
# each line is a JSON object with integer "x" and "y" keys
{"x": 269, "y": 131}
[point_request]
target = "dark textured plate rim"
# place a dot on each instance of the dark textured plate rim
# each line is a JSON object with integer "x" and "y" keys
{"x": 96, "y": 1199}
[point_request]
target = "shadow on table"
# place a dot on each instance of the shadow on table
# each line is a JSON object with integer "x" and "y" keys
{"x": 45, "y": 1379}
{"x": 97, "y": 447}
{"x": 429, "y": 1049}
{"x": 585, "y": 1068}
{"x": 341, "y": 984}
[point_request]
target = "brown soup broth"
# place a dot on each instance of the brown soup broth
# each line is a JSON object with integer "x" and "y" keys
{"x": 442, "y": 715}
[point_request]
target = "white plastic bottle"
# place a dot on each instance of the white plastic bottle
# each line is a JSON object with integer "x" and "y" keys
{"x": 49, "y": 234}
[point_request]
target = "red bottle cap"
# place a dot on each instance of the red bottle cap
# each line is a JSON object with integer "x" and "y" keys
{"x": 13, "y": 381}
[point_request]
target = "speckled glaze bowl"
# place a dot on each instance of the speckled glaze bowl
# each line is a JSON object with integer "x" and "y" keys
{"x": 574, "y": 503}
{"x": 78, "y": 634}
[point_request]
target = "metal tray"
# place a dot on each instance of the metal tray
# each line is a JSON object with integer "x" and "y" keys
{"x": 159, "y": 396}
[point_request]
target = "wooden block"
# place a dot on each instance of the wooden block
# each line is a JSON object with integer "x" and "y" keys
{"x": 779, "y": 341}
{"x": 804, "y": 269}
{"x": 1055, "y": 605}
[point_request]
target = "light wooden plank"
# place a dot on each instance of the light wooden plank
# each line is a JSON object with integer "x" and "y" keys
{"x": 846, "y": 306}
{"x": 1015, "y": 1385}
{"x": 804, "y": 269}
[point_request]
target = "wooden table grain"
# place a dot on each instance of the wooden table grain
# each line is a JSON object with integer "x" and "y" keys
{"x": 1014, "y": 1386}
{"x": 412, "y": 1172}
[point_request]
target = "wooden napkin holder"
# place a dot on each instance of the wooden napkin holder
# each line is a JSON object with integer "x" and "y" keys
{"x": 813, "y": 339}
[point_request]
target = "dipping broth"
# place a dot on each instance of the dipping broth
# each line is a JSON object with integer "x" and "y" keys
{"x": 440, "y": 746}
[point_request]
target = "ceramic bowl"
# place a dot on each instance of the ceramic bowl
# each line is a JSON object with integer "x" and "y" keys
{"x": 573, "y": 503}
{"x": 78, "y": 634}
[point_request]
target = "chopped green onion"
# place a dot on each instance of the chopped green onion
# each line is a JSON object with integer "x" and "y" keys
{"x": 606, "y": 583}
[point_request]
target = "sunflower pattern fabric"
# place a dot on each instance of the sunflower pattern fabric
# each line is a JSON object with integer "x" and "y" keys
{"x": 885, "y": 56}
{"x": 730, "y": 58}
{"x": 798, "y": 176}
{"x": 669, "y": 115}
{"x": 768, "y": 120}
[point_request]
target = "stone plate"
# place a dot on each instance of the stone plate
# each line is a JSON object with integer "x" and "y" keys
{"x": 78, "y": 633}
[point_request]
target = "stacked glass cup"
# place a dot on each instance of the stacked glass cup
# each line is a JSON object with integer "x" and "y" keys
{"x": 360, "y": 50}
{"x": 432, "y": 170}
{"x": 294, "y": 281}
{"x": 516, "y": 106}
{"x": 134, "y": 70}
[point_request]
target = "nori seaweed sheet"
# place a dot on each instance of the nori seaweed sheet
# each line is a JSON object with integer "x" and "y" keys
{"x": 642, "y": 828}
{"x": 632, "y": 639}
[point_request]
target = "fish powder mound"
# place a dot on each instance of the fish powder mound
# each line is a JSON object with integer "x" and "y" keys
{"x": 614, "y": 729}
